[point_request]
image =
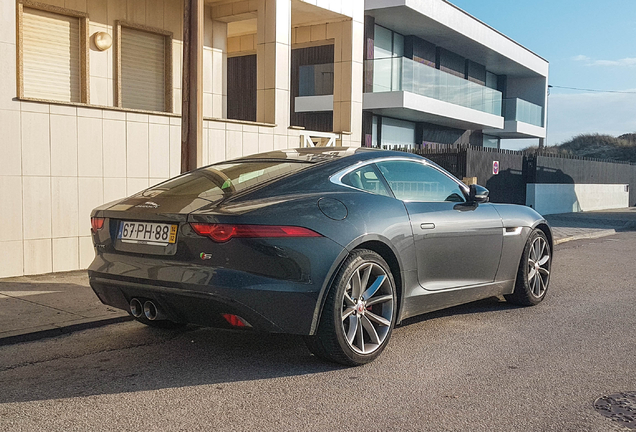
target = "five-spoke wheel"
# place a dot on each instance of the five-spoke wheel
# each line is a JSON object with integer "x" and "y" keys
{"x": 533, "y": 276}
{"x": 539, "y": 266}
{"x": 359, "y": 311}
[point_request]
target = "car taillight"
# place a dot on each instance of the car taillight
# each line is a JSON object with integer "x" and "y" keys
{"x": 236, "y": 321}
{"x": 97, "y": 223}
{"x": 223, "y": 232}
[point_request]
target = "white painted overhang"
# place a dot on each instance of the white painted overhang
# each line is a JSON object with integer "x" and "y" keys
{"x": 516, "y": 129}
{"x": 413, "y": 107}
{"x": 445, "y": 25}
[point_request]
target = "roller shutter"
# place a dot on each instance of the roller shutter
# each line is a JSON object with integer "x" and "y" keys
{"x": 50, "y": 56}
{"x": 143, "y": 70}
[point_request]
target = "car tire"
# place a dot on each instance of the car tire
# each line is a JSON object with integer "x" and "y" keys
{"x": 533, "y": 276}
{"x": 359, "y": 312}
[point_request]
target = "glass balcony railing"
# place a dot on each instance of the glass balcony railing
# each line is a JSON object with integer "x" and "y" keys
{"x": 403, "y": 74}
{"x": 523, "y": 111}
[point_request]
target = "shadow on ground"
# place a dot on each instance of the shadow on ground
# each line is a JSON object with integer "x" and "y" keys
{"x": 491, "y": 304}
{"x": 131, "y": 357}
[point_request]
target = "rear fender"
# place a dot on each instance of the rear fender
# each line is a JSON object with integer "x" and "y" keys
{"x": 337, "y": 265}
{"x": 355, "y": 244}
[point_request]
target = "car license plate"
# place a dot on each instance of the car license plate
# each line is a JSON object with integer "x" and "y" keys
{"x": 157, "y": 234}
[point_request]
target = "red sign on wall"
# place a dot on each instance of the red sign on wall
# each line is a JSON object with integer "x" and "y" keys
{"x": 495, "y": 167}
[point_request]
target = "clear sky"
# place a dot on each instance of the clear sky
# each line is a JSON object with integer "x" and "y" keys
{"x": 590, "y": 44}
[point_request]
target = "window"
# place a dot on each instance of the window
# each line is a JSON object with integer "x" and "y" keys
{"x": 397, "y": 133}
{"x": 366, "y": 179}
{"x": 491, "y": 80}
{"x": 144, "y": 78}
{"x": 388, "y": 48}
{"x": 225, "y": 179}
{"x": 490, "y": 141}
{"x": 316, "y": 80}
{"x": 312, "y": 75}
{"x": 413, "y": 181}
{"x": 52, "y": 54}
{"x": 241, "y": 87}
{"x": 382, "y": 42}
{"x": 387, "y": 43}
{"x": 376, "y": 126}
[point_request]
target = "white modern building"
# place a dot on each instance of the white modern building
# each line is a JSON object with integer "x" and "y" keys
{"x": 436, "y": 75}
{"x": 94, "y": 93}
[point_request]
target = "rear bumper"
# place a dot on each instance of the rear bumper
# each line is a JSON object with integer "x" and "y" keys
{"x": 201, "y": 294}
{"x": 196, "y": 307}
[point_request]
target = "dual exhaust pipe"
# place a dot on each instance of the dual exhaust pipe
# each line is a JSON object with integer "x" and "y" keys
{"x": 148, "y": 310}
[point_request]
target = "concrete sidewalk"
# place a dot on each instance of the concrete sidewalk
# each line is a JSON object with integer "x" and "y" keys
{"x": 575, "y": 226}
{"x": 34, "y": 307}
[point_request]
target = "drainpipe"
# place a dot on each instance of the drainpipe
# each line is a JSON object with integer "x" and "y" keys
{"x": 192, "y": 86}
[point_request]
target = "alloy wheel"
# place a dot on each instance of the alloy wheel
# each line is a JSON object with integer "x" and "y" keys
{"x": 367, "y": 308}
{"x": 538, "y": 267}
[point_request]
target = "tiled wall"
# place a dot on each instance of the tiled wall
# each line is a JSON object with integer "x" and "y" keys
{"x": 229, "y": 140}
{"x": 69, "y": 161}
{"x": 59, "y": 161}
{"x": 243, "y": 45}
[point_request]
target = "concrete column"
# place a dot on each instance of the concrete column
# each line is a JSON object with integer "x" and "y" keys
{"x": 348, "y": 81}
{"x": 273, "y": 50}
{"x": 219, "y": 69}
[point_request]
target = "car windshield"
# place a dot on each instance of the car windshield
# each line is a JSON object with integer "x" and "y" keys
{"x": 226, "y": 179}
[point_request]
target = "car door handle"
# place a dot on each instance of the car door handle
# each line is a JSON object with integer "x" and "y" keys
{"x": 427, "y": 226}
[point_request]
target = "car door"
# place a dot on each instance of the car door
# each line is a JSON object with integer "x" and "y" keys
{"x": 457, "y": 244}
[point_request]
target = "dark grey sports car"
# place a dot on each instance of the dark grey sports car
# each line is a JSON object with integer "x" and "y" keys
{"x": 336, "y": 244}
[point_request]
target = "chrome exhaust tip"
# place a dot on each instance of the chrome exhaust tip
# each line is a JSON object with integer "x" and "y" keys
{"x": 152, "y": 313}
{"x": 136, "y": 308}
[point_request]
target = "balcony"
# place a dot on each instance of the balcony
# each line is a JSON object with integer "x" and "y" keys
{"x": 523, "y": 119}
{"x": 414, "y": 91}
{"x": 519, "y": 110}
{"x": 403, "y": 74}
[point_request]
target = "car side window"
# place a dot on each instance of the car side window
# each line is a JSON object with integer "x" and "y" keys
{"x": 367, "y": 179}
{"x": 413, "y": 181}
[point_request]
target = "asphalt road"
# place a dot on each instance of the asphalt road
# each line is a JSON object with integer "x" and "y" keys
{"x": 485, "y": 366}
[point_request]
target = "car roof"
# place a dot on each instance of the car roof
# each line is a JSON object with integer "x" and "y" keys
{"x": 325, "y": 154}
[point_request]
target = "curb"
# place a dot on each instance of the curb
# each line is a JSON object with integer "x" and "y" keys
{"x": 594, "y": 235}
{"x": 53, "y": 331}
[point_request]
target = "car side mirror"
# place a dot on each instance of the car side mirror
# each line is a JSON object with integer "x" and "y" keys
{"x": 478, "y": 194}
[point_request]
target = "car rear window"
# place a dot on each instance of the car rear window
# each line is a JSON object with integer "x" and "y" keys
{"x": 226, "y": 179}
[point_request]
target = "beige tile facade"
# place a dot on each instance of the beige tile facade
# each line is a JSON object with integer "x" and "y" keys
{"x": 60, "y": 160}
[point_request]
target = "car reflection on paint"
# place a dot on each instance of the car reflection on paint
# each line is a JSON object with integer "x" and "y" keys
{"x": 338, "y": 245}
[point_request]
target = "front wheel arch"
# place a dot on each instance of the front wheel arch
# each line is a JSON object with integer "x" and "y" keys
{"x": 548, "y": 233}
{"x": 533, "y": 274}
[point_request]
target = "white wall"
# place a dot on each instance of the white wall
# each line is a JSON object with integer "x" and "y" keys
{"x": 568, "y": 198}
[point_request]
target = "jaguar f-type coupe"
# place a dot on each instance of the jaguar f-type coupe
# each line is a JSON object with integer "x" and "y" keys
{"x": 336, "y": 244}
